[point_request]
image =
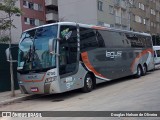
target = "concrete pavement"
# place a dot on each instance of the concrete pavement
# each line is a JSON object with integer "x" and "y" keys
{"x": 5, "y": 97}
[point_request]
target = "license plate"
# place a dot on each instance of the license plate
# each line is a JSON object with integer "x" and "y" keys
{"x": 34, "y": 89}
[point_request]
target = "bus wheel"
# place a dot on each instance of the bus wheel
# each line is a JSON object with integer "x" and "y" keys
{"x": 144, "y": 69}
{"x": 139, "y": 71}
{"x": 88, "y": 84}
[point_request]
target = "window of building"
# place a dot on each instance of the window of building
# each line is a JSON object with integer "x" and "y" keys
{"x": 100, "y": 5}
{"x": 138, "y": 19}
{"x": 25, "y": 3}
{"x": 35, "y": 6}
{"x": 141, "y": 6}
{"x": 153, "y": 12}
{"x": 151, "y": 24}
{"x": 37, "y": 22}
{"x": 40, "y": 8}
{"x": 111, "y": 9}
{"x": 26, "y": 20}
{"x": 144, "y": 21}
{"x": 32, "y": 21}
{"x": 31, "y": 5}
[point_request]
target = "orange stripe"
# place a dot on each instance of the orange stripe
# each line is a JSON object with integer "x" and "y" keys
{"x": 99, "y": 28}
{"x": 88, "y": 64}
{"x": 139, "y": 56}
{"x": 35, "y": 80}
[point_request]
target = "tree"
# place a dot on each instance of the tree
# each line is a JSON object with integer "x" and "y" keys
{"x": 9, "y": 8}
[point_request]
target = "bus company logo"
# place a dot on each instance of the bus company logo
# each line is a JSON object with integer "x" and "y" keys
{"x": 114, "y": 54}
{"x": 33, "y": 77}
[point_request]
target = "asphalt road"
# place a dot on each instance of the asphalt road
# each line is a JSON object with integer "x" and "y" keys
{"x": 127, "y": 94}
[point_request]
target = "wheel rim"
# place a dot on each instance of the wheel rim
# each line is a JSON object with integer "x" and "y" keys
{"x": 139, "y": 71}
{"x": 144, "y": 68}
{"x": 89, "y": 82}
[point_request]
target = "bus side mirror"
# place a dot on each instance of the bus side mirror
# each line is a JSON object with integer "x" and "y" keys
{"x": 52, "y": 46}
{"x": 9, "y": 55}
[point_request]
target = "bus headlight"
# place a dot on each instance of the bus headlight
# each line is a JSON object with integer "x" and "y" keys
{"x": 51, "y": 79}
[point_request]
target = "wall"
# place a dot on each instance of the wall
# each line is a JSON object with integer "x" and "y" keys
{"x": 4, "y": 69}
{"x": 78, "y": 11}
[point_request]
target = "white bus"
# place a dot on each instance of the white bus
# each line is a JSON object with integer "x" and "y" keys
{"x": 156, "y": 55}
{"x": 64, "y": 56}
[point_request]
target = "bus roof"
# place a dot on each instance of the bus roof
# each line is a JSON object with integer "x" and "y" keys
{"x": 90, "y": 26}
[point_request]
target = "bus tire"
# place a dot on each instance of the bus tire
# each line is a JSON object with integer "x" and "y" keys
{"x": 88, "y": 84}
{"x": 144, "y": 69}
{"x": 139, "y": 72}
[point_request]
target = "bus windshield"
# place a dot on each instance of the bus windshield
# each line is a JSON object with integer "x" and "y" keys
{"x": 34, "y": 49}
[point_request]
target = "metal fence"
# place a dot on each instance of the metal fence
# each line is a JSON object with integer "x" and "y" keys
{"x": 5, "y": 83}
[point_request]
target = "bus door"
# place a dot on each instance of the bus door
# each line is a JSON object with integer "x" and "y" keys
{"x": 68, "y": 58}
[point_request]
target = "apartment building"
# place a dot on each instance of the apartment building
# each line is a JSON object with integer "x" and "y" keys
{"x": 51, "y": 11}
{"x": 136, "y": 15}
{"x": 35, "y": 13}
{"x": 112, "y": 13}
{"x": 145, "y": 16}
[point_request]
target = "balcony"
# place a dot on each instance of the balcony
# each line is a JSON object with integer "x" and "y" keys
{"x": 51, "y": 3}
{"x": 51, "y": 17}
{"x": 120, "y": 3}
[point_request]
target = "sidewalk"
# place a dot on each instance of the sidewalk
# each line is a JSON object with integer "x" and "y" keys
{"x": 5, "y": 97}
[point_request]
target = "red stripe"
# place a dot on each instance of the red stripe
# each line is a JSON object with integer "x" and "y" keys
{"x": 89, "y": 65}
{"x": 139, "y": 56}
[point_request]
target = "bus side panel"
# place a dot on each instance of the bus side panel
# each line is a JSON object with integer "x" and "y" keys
{"x": 74, "y": 81}
{"x": 108, "y": 67}
{"x": 111, "y": 63}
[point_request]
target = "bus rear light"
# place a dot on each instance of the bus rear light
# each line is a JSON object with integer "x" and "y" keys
{"x": 51, "y": 79}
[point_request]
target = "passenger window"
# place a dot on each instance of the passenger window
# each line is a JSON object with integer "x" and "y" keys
{"x": 148, "y": 42}
{"x": 154, "y": 53}
{"x": 158, "y": 53}
{"x": 88, "y": 39}
{"x": 100, "y": 39}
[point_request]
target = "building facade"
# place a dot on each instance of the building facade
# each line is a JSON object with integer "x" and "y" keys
{"x": 145, "y": 16}
{"x": 136, "y": 15}
{"x": 112, "y": 13}
{"x": 35, "y": 13}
